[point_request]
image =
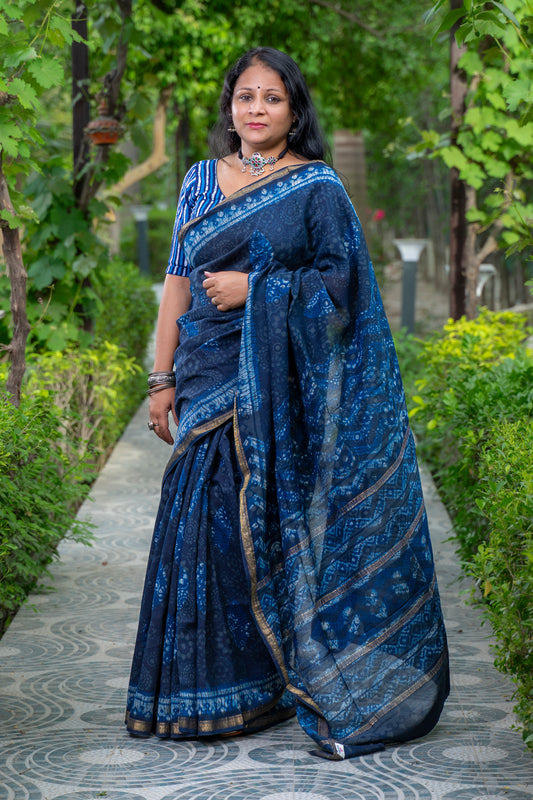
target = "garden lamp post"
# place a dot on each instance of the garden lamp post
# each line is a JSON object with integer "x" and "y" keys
{"x": 410, "y": 251}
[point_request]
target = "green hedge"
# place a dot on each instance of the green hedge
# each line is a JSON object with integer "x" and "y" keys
{"x": 472, "y": 411}
{"x": 503, "y": 565}
{"x": 127, "y": 308}
{"x": 75, "y": 404}
{"x": 96, "y": 390}
{"x": 39, "y": 493}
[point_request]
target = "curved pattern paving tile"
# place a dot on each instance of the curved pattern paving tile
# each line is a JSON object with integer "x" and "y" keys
{"x": 64, "y": 673}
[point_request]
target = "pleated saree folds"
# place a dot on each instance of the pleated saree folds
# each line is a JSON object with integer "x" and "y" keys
{"x": 291, "y": 566}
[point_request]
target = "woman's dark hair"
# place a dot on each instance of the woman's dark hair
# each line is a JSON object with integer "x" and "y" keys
{"x": 306, "y": 140}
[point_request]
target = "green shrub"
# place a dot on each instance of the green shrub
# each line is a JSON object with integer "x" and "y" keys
{"x": 503, "y": 566}
{"x": 39, "y": 493}
{"x": 127, "y": 308}
{"x": 75, "y": 404}
{"x": 96, "y": 390}
{"x": 74, "y": 407}
{"x": 475, "y": 374}
{"x": 473, "y": 415}
{"x": 408, "y": 350}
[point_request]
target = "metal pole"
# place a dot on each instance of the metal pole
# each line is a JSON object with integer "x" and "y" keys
{"x": 410, "y": 250}
{"x": 409, "y": 295}
{"x": 143, "y": 253}
{"x": 140, "y": 214}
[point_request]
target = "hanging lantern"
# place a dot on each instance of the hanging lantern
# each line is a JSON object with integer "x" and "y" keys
{"x": 104, "y": 129}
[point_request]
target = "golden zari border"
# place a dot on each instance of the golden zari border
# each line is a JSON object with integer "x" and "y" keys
{"x": 249, "y": 554}
{"x": 248, "y": 721}
{"x": 425, "y": 678}
{"x": 195, "y": 433}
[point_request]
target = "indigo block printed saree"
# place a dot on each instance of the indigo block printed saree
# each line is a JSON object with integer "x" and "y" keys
{"x": 291, "y": 567}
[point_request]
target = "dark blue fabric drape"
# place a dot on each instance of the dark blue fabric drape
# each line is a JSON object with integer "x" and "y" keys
{"x": 330, "y": 541}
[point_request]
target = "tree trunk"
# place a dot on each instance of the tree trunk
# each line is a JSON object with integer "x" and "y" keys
{"x": 81, "y": 111}
{"x": 458, "y": 90}
{"x": 470, "y": 258}
{"x": 17, "y": 278}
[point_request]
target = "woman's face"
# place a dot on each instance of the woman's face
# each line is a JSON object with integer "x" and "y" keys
{"x": 261, "y": 111}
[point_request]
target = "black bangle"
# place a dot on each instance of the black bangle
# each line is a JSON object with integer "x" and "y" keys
{"x": 160, "y": 388}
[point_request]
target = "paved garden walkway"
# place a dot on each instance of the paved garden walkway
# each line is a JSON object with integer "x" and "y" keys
{"x": 64, "y": 671}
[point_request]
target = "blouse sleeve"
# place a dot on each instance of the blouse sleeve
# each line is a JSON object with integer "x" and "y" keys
{"x": 177, "y": 265}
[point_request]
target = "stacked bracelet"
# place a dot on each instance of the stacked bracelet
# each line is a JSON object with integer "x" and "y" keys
{"x": 157, "y": 389}
{"x": 158, "y": 381}
{"x": 158, "y": 378}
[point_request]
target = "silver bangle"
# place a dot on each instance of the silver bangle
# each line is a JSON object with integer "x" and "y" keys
{"x": 157, "y": 378}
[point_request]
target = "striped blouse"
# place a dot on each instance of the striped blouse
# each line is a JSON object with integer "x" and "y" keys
{"x": 199, "y": 193}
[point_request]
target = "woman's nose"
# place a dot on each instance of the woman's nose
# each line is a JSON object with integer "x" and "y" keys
{"x": 256, "y": 106}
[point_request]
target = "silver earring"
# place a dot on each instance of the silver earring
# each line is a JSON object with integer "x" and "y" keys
{"x": 231, "y": 128}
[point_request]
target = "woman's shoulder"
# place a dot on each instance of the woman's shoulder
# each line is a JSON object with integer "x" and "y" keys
{"x": 319, "y": 170}
{"x": 318, "y": 174}
{"x": 200, "y": 182}
{"x": 324, "y": 189}
{"x": 205, "y": 169}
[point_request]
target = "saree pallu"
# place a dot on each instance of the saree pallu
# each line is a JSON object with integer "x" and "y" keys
{"x": 291, "y": 562}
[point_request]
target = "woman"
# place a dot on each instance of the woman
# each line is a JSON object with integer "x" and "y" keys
{"x": 291, "y": 565}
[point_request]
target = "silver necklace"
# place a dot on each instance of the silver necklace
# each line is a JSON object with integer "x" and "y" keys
{"x": 258, "y": 162}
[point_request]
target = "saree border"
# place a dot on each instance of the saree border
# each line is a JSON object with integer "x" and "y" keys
{"x": 378, "y": 715}
{"x": 193, "y": 434}
{"x": 275, "y": 175}
{"x": 249, "y": 554}
{"x": 263, "y": 715}
{"x": 274, "y": 647}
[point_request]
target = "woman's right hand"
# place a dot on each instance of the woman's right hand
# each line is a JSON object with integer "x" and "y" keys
{"x": 227, "y": 289}
{"x": 160, "y": 404}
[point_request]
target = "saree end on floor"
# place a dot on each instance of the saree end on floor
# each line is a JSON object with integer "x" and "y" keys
{"x": 342, "y": 578}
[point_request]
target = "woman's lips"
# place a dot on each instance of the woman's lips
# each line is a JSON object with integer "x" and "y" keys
{"x": 255, "y": 125}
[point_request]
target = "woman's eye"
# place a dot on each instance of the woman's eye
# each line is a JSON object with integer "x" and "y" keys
{"x": 273, "y": 99}
{"x": 244, "y": 97}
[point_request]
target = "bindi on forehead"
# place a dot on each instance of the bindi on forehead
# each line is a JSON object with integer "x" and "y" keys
{"x": 278, "y": 89}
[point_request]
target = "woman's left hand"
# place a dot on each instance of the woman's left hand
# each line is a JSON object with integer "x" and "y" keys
{"x": 227, "y": 290}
